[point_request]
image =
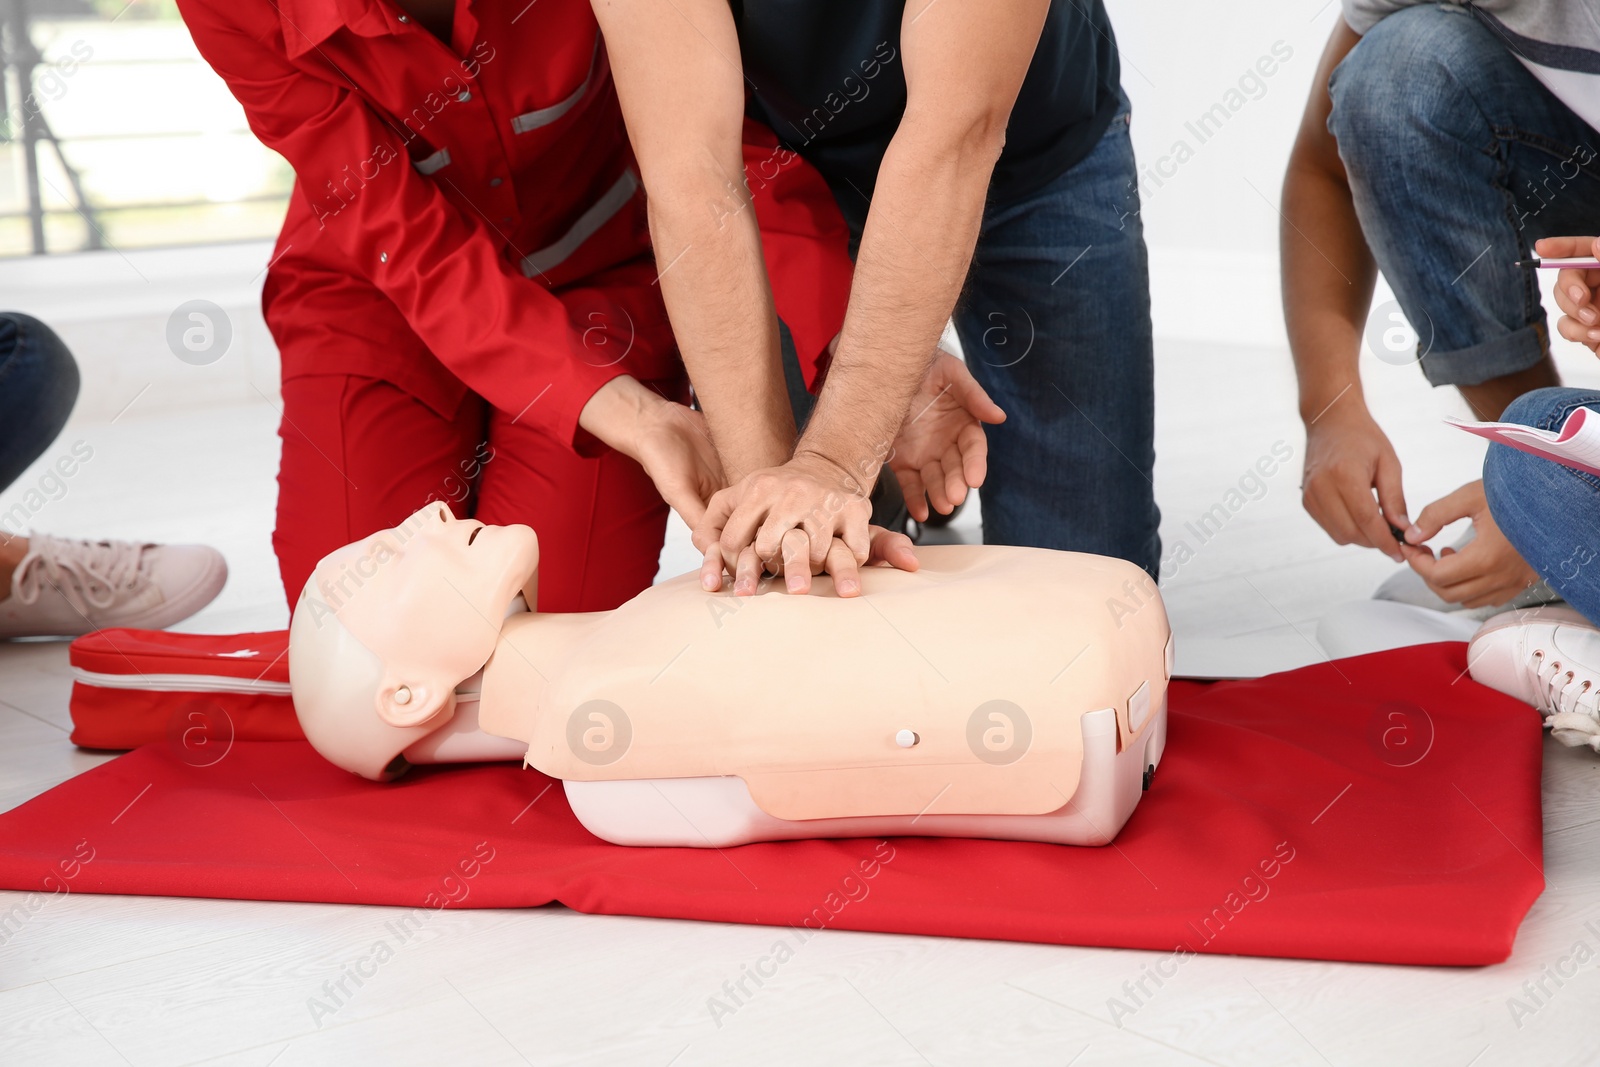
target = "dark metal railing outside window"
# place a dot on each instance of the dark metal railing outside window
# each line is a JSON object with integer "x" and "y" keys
{"x": 115, "y": 134}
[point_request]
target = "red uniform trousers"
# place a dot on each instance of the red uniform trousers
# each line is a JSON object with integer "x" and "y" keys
{"x": 362, "y": 453}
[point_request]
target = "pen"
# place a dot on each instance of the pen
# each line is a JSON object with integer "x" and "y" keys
{"x": 1560, "y": 264}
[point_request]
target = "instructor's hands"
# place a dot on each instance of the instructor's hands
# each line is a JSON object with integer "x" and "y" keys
{"x": 675, "y": 450}
{"x": 1576, "y": 290}
{"x": 1486, "y": 571}
{"x": 1347, "y": 457}
{"x": 667, "y": 439}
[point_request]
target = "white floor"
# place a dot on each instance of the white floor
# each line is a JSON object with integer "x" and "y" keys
{"x": 163, "y": 981}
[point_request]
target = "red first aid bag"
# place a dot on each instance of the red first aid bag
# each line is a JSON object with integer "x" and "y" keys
{"x": 133, "y": 687}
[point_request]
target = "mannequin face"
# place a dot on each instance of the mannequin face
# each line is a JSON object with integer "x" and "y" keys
{"x": 428, "y": 598}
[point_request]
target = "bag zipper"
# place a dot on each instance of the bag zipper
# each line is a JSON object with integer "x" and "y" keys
{"x": 210, "y": 683}
{"x": 180, "y": 683}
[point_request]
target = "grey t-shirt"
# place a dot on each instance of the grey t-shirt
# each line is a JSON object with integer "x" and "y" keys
{"x": 1557, "y": 40}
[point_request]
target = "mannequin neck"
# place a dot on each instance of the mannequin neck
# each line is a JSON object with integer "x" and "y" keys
{"x": 532, "y": 649}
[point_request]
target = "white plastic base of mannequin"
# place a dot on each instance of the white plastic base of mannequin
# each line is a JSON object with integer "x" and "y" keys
{"x": 719, "y": 812}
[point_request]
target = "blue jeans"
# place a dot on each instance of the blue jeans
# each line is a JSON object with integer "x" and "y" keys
{"x": 38, "y": 386}
{"x": 1458, "y": 159}
{"x": 1055, "y": 323}
{"x": 1548, "y": 511}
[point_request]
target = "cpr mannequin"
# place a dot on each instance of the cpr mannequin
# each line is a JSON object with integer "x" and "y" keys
{"x": 995, "y": 692}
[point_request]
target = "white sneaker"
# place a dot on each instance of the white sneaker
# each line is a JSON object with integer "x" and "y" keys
{"x": 64, "y": 588}
{"x": 1548, "y": 657}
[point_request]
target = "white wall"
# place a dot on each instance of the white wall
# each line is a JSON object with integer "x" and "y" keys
{"x": 1212, "y": 226}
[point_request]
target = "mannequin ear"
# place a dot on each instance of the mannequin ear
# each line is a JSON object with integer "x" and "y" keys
{"x": 411, "y": 703}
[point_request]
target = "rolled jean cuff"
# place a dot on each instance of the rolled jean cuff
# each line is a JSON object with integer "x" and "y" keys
{"x": 1494, "y": 358}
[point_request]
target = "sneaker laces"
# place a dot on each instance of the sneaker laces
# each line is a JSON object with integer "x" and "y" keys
{"x": 90, "y": 575}
{"x": 1561, "y": 691}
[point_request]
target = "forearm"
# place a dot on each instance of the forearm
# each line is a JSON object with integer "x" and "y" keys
{"x": 677, "y": 70}
{"x": 613, "y": 413}
{"x": 1328, "y": 279}
{"x": 715, "y": 286}
{"x": 915, "y": 252}
{"x": 1328, "y": 270}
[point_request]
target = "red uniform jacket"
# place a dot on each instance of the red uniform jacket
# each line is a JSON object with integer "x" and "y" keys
{"x": 466, "y": 216}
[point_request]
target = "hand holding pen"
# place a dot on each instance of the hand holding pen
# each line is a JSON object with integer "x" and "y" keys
{"x": 1576, "y": 285}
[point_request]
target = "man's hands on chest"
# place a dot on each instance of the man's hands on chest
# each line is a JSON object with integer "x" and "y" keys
{"x": 798, "y": 519}
{"x": 811, "y": 514}
{"x": 678, "y": 74}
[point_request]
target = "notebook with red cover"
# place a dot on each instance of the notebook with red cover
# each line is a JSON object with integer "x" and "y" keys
{"x": 1576, "y": 444}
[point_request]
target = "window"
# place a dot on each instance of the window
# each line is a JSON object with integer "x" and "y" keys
{"x": 116, "y": 134}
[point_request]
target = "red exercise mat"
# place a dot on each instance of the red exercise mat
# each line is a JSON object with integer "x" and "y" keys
{"x": 1382, "y": 808}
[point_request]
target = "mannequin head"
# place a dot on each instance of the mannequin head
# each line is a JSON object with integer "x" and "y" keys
{"x": 387, "y": 628}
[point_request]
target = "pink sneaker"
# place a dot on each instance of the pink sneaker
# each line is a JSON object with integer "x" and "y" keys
{"x": 63, "y": 588}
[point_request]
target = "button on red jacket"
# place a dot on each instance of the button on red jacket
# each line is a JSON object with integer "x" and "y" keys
{"x": 484, "y": 189}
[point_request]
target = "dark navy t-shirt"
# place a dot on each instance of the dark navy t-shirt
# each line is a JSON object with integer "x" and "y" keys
{"x": 827, "y": 76}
